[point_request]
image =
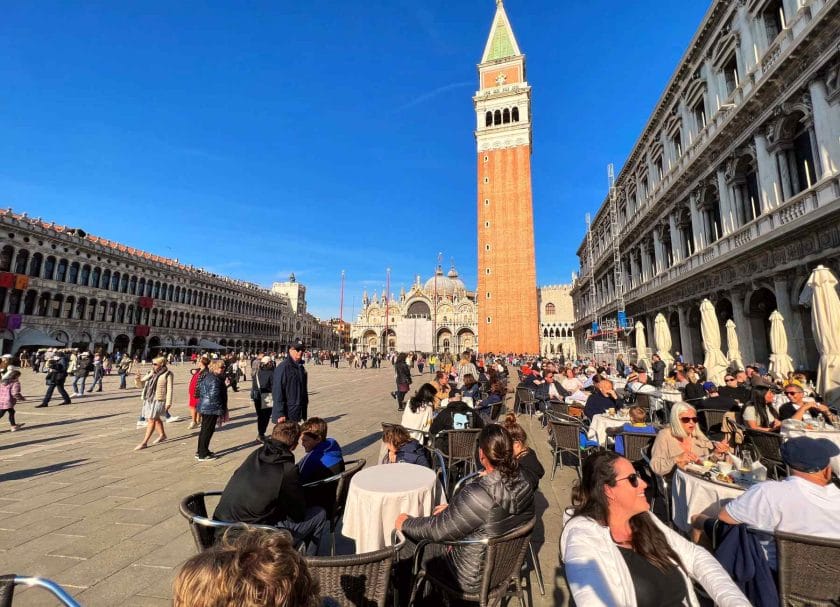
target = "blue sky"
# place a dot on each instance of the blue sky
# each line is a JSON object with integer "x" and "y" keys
{"x": 259, "y": 138}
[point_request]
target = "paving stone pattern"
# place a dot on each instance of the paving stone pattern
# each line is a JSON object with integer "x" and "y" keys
{"x": 79, "y": 506}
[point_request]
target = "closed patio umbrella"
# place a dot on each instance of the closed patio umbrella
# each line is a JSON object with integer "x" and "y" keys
{"x": 662, "y": 340}
{"x": 641, "y": 346}
{"x": 825, "y": 320}
{"x": 734, "y": 352}
{"x": 780, "y": 362}
{"x": 715, "y": 362}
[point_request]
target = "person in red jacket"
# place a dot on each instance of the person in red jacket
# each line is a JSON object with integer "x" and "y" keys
{"x": 196, "y": 375}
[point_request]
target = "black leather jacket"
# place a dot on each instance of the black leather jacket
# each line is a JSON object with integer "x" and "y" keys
{"x": 486, "y": 508}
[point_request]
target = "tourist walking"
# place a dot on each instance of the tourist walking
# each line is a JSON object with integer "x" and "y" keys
{"x": 157, "y": 399}
{"x": 261, "y": 395}
{"x": 83, "y": 368}
{"x": 98, "y": 373}
{"x": 10, "y": 395}
{"x": 56, "y": 376}
{"x": 123, "y": 369}
{"x": 433, "y": 362}
{"x": 403, "y": 374}
{"x": 289, "y": 387}
{"x": 212, "y": 405}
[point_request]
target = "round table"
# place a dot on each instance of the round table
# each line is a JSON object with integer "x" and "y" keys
{"x": 378, "y": 494}
{"x": 694, "y": 495}
{"x": 790, "y": 430}
{"x": 601, "y": 422}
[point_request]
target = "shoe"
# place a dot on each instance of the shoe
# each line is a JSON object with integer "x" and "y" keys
{"x": 261, "y": 438}
{"x": 40, "y": 406}
{"x": 16, "y": 427}
{"x": 206, "y": 458}
{"x": 393, "y": 394}
{"x": 141, "y": 424}
{"x": 67, "y": 403}
{"x": 173, "y": 418}
{"x": 192, "y": 426}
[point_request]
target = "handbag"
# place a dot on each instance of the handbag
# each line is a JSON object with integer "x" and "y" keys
{"x": 264, "y": 398}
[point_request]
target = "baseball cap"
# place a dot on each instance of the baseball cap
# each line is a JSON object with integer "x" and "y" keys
{"x": 709, "y": 386}
{"x": 297, "y": 344}
{"x": 808, "y": 454}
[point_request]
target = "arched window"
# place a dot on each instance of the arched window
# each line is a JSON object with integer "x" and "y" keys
{"x": 103, "y": 309}
{"x": 73, "y": 275}
{"x": 124, "y": 283}
{"x": 49, "y": 268}
{"x": 43, "y": 304}
{"x": 141, "y": 287}
{"x": 35, "y": 266}
{"x": 506, "y": 116}
{"x": 6, "y": 255}
{"x": 85, "y": 275}
{"x": 497, "y": 117}
{"x": 61, "y": 274}
{"x": 550, "y": 309}
{"x": 488, "y": 119}
{"x": 132, "y": 285}
{"x": 514, "y": 114}
{"x": 121, "y": 313}
{"x": 106, "y": 280}
{"x": 94, "y": 278}
{"x": 56, "y": 304}
{"x": 115, "y": 282}
{"x": 112, "y": 311}
{"x": 29, "y": 302}
{"x": 22, "y": 260}
{"x": 80, "y": 308}
{"x": 91, "y": 310}
{"x": 69, "y": 303}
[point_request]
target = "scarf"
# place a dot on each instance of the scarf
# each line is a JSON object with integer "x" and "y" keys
{"x": 150, "y": 388}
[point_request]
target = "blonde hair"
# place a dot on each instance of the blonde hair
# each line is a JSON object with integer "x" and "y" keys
{"x": 676, "y": 426}
{"x": 216, "y": 363}
{"x": 159, "y": 360}
{"x": 256, "y": 568}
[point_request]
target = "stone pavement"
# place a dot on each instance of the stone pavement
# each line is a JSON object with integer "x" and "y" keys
{"x": 79, "y": 506}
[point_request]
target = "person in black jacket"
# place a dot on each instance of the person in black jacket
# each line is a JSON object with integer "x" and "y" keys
{"x": 289, "y": 389}
{"x": 266, "y": 490}
{"x": 457, "y": 415}
{"x": 403, "y": 379}
{"x": 603, "y": 397}
{"x": 658, "y": 368}
{"x": 530, "y": 466}
{"x": 84, "y": 366}
{"x": 500, "y": 501}
{"x": 550, "y": 390}
{"x": 402, "y": 449}
{"x": 56, "y": 377}
{"x": 262, "y": 383}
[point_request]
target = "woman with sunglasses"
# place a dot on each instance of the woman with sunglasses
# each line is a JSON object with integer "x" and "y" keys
{"x": 682, "y": 442}
{"x": 761, "y": 413}
{"x": 617, "y": 553}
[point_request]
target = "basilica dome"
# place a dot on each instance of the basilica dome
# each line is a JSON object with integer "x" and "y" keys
{"x": 447, "y": 285}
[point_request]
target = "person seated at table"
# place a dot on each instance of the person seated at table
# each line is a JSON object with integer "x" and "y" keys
{"x": 573, "y": 385}
{"x": 639, "y": 383}
{"x": 442, "y": 388}
{"x": 796, "y": 407}
{"x": 497, "y": 502}
{"x": 253, "y": 568}
{"x": 760, "y": 413}
{"x": 402, "y": 449}
{"x": 638, "y": 424}
{"x": 693, "y": 392}
{"x": 496, "y": 396}
{"x": 616, "y": 552}
{"x": 732, "y": 389}
{"x": 457, "y": 415}
{"x": 529, "y": 465}
{"x": 682, "y": 442}
{"x": 417, "y": 417}
{"x": 603, "y": 398}
{"x": 266, "y": 490}
{"x": 806, "y": 502}
{"x": 323, "y": 459}
{"x": 715, "y": 400}
{"x": 549, "y": 391}
{"x": 471, "y": 388}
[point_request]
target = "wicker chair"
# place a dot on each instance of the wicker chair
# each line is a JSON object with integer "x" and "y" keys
{"x": 500, "y": 573}
{"x": 525, "y": 399}
{"x": 10, "y": 580}
{"x": 635, "y": 443}
{"x": 711, "y": 420}
{"x": 341, "y": 482}
{"x": 768, "y": 447}
{"x": 496, "y": 410}
{"x": 204, "y": 529}
{"x": 663, "y": 487}
{"x": 357, "y": 579}
{"x": 564, "y": 437}
{"x": 809, "y": 569}
{"x": 461, "y": 451}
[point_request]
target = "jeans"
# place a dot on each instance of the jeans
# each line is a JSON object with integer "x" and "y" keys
{"x": 76, "y": 380}
{"x": 51, "y": 388}
{"x": 122, "y": 381}
{"x": 208, "y": 427}
{"x": 310, "y": 530}
{"x": 97, "y": 380}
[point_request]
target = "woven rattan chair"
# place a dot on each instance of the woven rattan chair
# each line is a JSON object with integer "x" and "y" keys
{"x": 499, "y": 576}
{"x": 460, "y": 458}
{"x": 341, "y": 482}
{"x": 496, "y": 410}
{"x": 10, "y": 580}
{"x": 809, "y": 569}
{"x": 357, "y": 579}
{"x": 663, "y": 487}
{"x": 711, "y": 420}
{"x": 525, "y": 400}
{"x": 564, "y": 437}
{"x": 768, "y": 447}
{"x": 204, "y": 530}
{"x": 634, "y": 443}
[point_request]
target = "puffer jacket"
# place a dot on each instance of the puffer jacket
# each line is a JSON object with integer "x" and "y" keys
{"x": 212, "y": 395}
{"x": 490, "y": 507}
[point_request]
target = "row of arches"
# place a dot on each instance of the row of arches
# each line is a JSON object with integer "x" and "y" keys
{"x": 505, "y": 116}
{"x": 60, "y": 269}
{"x": 557, "y": 332}
{"x": 147, "y": 347}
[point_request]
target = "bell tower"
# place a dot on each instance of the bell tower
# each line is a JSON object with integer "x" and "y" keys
{"x": 507, "y": 275}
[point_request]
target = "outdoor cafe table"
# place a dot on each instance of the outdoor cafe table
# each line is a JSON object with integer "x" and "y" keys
{"x": 601, "y": 422}
{"x": 791, "y": 429}
{"x": 378, "y": 494}
{"x": 694, "y": 495}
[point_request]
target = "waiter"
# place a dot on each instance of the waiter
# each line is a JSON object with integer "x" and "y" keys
{"x": 289, "y": 390}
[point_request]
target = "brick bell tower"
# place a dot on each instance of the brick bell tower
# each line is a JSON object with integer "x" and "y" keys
{"x": 507, "y": 275}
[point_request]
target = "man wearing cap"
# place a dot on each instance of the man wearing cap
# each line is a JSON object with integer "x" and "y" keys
{"x": 806, "y": 502}
{"x": 289, "y": 389}
{"x": 55, "y": 381}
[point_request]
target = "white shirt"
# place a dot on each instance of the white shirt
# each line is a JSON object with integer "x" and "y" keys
{"x": 751, "y": 415}
{"x": 794, "y": 505}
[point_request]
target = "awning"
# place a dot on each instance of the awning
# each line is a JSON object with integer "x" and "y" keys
{"x": 30, "y": 336}
{"x": 206, "y": 344}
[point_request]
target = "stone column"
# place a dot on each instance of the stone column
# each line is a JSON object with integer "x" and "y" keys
{"x": 796, "y": 339}
{"x": 784, "y": 173}
{"x": 676, "y": 242}
{"x": 659, "y": 258}
{"x": 634, "y": 269}
{"x": 767, "y": 174}
{"x": 647, "y": 269}
{"x": 685, "y": 334}
{"x": 826, "y": 129}
{"x": 742, "y": 325}
{"x": 697, "y": 231}
{"x": 729, "y": 222}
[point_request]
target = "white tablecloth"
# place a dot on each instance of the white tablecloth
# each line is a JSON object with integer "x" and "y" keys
{"x": 693, "y": 495}
{"x": 789, "y": 430}
{"x": 379, "y": 494}
{"x": 599, "y": 426}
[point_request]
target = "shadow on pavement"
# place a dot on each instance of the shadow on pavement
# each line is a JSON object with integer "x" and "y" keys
{"x": 334, "y": 418}
{"x": 361, "y": 443}
{"x": 64, "y": 422}
{"x": 35, "y": 441}
{"x": 44, "y": 470}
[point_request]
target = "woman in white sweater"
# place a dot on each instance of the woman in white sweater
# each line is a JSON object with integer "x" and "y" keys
{"x": 616, "y": 553}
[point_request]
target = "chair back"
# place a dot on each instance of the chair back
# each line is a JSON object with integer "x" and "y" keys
{"x": 643, "y": 401}
{"x": 634, "y": 443}
{"x": 356, "y": 579}
{"x": 503, "y": 562}
{"x": 496, "y": 410}
{"x": 8, "y": 582}
{"x": 709, "y": 418}
{"x": 462, "y": 443}
{"x": 809, "y": 569}
{"x": 566, "y": 434}
{"x": 768, "y": 447}
{"x": 524, "y": 395}
{"x": 558, "y": 409}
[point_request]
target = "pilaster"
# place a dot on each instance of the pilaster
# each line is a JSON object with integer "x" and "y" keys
{"x": 826, "y": 129}
{"x": 767, "y": 180}
{"x": 685, "y": 334}
{"x": 743, "y": 328}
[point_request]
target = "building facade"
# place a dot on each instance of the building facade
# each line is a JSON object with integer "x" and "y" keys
{"x": 89, "y": 292}
{"x": 507, "y": 276}
{"x": 557, "y": 320}
{"x": 731, "y": 193}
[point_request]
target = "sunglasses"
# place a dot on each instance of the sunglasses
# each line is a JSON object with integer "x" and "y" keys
{"x": 791, "y": 393}
{"x": 728, "y": 379}
{"x": 686, "y": 420}
{"x": 633, "y": 478}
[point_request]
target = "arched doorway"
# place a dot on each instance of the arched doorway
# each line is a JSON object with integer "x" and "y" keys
{"x": 444, "y": 340}
{"x": 154, "y": 346}
{"x": 761, "y": 304}
{"x": 83, "y": 342}
{"x": 696, "y": 355}
{"x": 121, "y": 343}
{"x": 466, "y": 340}
{"x": 370, "y": 343}
{"x": 138, "y": 347}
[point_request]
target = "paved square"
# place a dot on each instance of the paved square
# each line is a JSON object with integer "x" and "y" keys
{"x": 79, "y": 506}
